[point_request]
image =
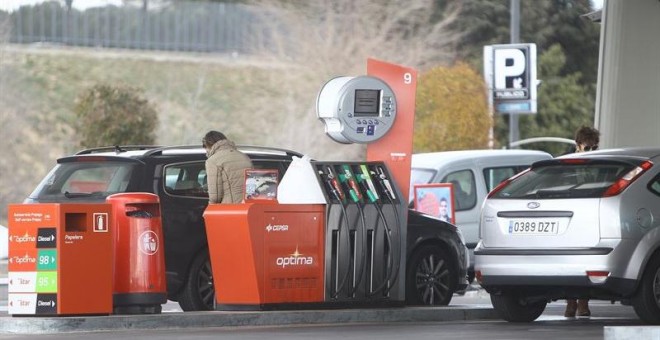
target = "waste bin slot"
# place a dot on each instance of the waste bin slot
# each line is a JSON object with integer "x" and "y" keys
{"x": 142, "y": 210}
{"x": 139, "y": 214}
{"x": 75, "y": 222}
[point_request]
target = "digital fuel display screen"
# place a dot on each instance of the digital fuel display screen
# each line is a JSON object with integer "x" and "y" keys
{"x": 367, "y": 103}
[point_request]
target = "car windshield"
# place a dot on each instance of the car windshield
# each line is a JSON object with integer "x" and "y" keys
{"x": 565, "y": 180}
{"x": 71, "y": 180}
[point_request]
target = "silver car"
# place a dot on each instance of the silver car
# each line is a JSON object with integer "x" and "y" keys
{"x": 584, "y": 225}
{"x": 473, "y": 174}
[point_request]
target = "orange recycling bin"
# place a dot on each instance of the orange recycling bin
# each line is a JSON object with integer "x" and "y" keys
{"x": 139, "y": 285}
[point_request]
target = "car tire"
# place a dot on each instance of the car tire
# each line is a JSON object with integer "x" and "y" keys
{"x": 198, "y": 294}
{"x": 646, "y": 300}
{"x": 514, "y": 309}
{"x": 430, "y": 277}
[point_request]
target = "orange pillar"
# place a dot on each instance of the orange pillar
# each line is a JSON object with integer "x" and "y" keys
{"x": 395, "y": 148}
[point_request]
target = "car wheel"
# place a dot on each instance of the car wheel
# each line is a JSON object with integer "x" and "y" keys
{"x": 646, "y": 301}
{"x": 198, "y": 292}
{"x": 515, "y": 309}
{"x": 430, "y": 277}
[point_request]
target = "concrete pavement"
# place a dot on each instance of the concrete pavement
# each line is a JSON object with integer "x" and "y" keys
{"x": 474, "y": 305}
{"x": 43, "y": 325}
{"x": 173, "y": 317}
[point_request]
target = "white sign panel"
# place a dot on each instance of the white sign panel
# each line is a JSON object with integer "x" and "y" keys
{"x": 21, "y": 303}
{"x": 510, "y": 73}
{"x": 22, "y": 282}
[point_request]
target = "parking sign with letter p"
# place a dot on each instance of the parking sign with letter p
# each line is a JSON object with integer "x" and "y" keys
{"x": 510, "y": 72}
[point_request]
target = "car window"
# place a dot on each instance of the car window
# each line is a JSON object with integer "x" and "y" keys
{"x": 279, "y": 165}
{"x": 186, "y": 179}
{"x": 495, "y": 176}
{"x": 82, "y": 179}
{"x": 565, "y": 180}
{"x": 465, "y": 189}
{"x": 189, "y": 179}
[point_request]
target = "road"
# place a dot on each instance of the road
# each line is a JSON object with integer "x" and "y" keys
{"x": 550, "y": 326}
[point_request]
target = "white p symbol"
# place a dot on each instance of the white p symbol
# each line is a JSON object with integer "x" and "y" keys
{"x": 502, "y": 71}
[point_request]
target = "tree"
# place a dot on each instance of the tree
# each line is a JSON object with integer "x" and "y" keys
{"x": 115, "y": 115}
{"x": 545, "y": 23}
{"x": 452, "y": 110}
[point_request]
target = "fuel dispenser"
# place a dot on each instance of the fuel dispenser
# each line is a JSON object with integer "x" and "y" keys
{"x": 366, "y": 215}
{"x": 364, "y": 235}
{"x": 343, "y": 224}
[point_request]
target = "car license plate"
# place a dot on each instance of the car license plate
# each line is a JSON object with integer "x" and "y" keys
{"x": 534, "y": 227}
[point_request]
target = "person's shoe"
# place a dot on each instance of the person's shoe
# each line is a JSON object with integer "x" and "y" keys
{"x": 571, "y": 308}
{"x": 583, "y": 309}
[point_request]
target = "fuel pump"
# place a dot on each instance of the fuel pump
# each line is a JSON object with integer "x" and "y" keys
{"x": 362, "y": 110}
{"x": 364, "y": 214}
{"x": 336, "y": 233}
{"x": 363, "y": 238}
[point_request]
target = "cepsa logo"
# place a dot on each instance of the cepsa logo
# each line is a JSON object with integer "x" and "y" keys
{"x": 277, "y": 227}
{"x": 295, "y": 259}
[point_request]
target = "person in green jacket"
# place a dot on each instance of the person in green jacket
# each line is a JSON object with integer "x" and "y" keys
{"x": 225, "y": 168}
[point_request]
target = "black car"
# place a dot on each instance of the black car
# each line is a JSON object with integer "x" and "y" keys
{"x": 436, "y": 265}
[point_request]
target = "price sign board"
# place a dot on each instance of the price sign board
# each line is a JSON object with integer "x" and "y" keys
{"x": 59, "y": 263}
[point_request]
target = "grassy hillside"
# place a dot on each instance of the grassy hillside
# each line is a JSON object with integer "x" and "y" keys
{"x": 252, "y": 102}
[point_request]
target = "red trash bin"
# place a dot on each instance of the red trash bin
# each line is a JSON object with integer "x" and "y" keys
{"x": 139, "y": 285}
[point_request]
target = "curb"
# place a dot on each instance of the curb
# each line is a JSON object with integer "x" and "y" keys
{"x": 631, "y": 332}
{"x": 50, "y": 325}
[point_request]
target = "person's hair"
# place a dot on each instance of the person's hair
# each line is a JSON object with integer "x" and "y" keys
{"x": 587, "y": 135}
{"x": 211, "y": 138}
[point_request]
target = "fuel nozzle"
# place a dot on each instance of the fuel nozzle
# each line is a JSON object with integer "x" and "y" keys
{"x": 367, "y": 184}
{"x": 385, "y": 182}
{"x": 333, "y": 185}
{"x": 353, "y": 189}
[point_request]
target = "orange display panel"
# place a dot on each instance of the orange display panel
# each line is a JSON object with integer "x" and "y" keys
{"x": 266, "y": 253}
{"x": 60, "y": 259}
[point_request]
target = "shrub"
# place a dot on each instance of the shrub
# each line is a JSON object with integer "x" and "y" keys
{"x": 115, "y": 115}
